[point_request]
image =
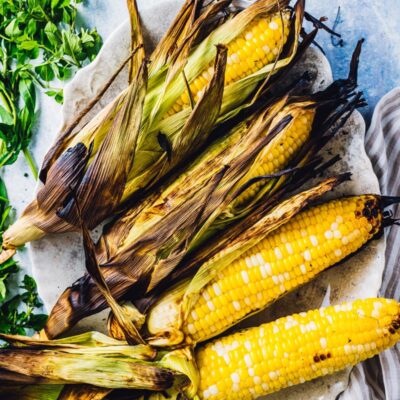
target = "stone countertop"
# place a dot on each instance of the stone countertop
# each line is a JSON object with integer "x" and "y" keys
{"x": 378, "y": 21}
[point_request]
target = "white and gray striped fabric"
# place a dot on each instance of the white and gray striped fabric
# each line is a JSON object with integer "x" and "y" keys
{"x": 379, "y": 378}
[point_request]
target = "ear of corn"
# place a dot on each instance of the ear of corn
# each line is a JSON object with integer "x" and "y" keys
{"x": 296, "y": 349}
{"x": 166, "y": 88}
{"x": 288, "y": 257}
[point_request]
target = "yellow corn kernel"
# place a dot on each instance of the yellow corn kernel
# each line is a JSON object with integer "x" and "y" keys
{"x": 296, "y": 349}
{"x": 259, "y": 44}
{"x": 287, "y": 258}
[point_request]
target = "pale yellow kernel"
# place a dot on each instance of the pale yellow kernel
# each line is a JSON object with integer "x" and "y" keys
{"x": 329, "y": 234}
{"x": 245, "y": 277}
{"x": 278, "y": 253}
{"x": 289, "y": 248}
{"x": 273, "y": 375}
{"x": 191, "y": 329}
{"x": 273, "y": 25}
{"x": 248, "y": 360}
{"x": 375, "y": 313}
{"x": 307, "y": 255}
{"x": 338, "y": 252}
{"x": 236, "y": 305}
{"x": 266, "y": 49}
{"x": 337, "y": 234}
{"x": 235, "y": 377}
{"x": 235, "y": 58}
{"x": 194, "y": 315}
{"x": 206, "y": 296}
{"x": 211, "y": 305}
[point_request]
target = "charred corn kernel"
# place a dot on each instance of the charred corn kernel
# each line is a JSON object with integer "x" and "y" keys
{"x": 259, "y": 44}
{"x": 289, "y": 257}
{"x": 296, "y": 349}
{"x": 277, "y": 155}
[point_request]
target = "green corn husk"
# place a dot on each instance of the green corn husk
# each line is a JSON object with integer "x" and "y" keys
{"x": 144, "y": 246}
{"x": 33, "y": 369}
{"x": 110, "y": 367}
{"x": 151, "y": 144}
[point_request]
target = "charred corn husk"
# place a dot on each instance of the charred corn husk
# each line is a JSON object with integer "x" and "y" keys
{"x": 169, "y": 129}
{"x": 296, "y": 349}
{"x": 292, "y": 255}
{"x": 107, "y": 366}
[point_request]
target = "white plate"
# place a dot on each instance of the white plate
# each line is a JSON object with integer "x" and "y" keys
{"x": 58, "y": 260}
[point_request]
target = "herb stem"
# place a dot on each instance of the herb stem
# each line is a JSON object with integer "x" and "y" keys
{"x": 31, "y": 163}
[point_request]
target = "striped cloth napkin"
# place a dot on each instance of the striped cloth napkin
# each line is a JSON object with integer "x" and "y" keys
{"x": 379, "y": 378}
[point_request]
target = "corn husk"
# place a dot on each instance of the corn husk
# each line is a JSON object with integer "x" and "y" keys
{"x": 144, "y": 246}
{"x": 82, "y": 159}
{"x": 33, "y": 369}
{"x": 120, "y": 366}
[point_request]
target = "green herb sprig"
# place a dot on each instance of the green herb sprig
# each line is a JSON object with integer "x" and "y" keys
{"x": 39, "y": 43}
{"x": 17, "y": 313}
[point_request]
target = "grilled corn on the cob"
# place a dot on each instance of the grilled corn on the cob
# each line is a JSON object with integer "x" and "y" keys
{"x": 287, "y": 258}
{"x": 296, "y": 349}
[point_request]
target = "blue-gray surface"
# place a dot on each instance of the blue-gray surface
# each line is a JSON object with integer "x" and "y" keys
{"x": 378, "y": 21}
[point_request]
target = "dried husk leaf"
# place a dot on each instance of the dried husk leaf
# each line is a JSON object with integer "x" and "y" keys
{"x": 130, "y": 331}
{"x": 174, "y": 35}
{"x": 136, "y": 40}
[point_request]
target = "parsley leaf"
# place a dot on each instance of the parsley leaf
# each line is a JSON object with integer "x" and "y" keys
{"x": 17, "y": 313}
{"x": 44, "y": 31}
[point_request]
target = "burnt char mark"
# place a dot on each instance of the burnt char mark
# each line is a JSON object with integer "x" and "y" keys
{"x": 371, "y": 211}
{"x": 322, "y": 357}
